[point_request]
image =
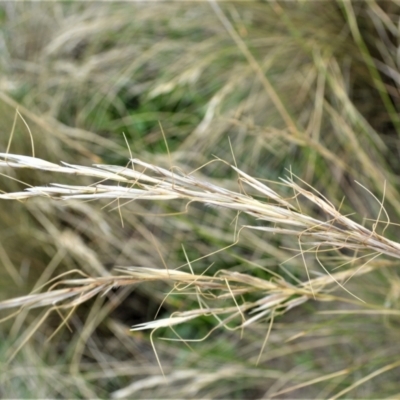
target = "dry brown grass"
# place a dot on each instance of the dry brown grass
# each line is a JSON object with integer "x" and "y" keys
{"x": 332, "y": 233}
{"x": 216, "y": 247}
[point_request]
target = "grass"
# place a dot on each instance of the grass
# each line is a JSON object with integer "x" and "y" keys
{"x": 251, "y": 205}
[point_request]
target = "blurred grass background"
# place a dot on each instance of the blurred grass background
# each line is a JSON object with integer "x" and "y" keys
{"x": 308, "y": 86}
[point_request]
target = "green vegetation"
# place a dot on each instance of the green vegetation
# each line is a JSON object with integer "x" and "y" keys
{"x": 224, "y": 172}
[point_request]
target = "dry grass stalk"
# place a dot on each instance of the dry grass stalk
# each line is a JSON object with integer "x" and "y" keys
{"x": 338, "y": 231}
{"x": 155, "y": 183}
